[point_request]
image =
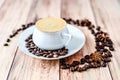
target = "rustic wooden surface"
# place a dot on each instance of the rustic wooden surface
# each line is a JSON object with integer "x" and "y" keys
{"x": 15, "y": 65}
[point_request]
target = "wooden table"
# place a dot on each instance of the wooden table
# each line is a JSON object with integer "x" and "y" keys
{"x": 15, "y": 65}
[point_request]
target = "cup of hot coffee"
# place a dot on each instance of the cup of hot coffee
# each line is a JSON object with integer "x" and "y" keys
{"x": 51, "y": 33}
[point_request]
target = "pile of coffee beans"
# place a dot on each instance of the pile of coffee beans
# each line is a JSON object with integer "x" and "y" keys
{"x": 32, "y": 48}
{"x": 17, "y": 31}
{"x": 98, "y": 58}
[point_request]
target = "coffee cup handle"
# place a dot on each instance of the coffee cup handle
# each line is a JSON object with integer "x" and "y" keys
{"x": 69, "y": 37}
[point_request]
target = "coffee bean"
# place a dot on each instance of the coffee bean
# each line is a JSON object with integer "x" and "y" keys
{"x": 62, "y": 61}
{"x": 49, "y": 56}
{"x": 107, "y": 59}
{"x": 84, "y": 68}
{"x": 8, "y": 40}
{"x": 11, "y": 36}
{"x": 5, "y": 44}
{"x": 98, "y": 28}
{"x": 23, "y": 26}
{"x": 82, "y": 61}
{"x": 79, "y": 69}
{"x": 64, "y": 67}
{"x": 77, "y": 22}
{"x": 72, "y": 69}
{"x": 19, "y": 29}
{"x": 105, "y": 50}
{"x": 74, "y": 63}
{"x": 109, "y": 54}
{"x": 87, "y": 57}
{"x": 44, "y": 55}
{"x": 65, "y": 51}
{"x": 104, "y": 65}
{"x": 111, "y": 48}
{"x": 92, "y": 31}
{"x": 55, "y": 55}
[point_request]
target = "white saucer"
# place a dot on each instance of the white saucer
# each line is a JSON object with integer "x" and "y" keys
{"x": 76, "y": 43}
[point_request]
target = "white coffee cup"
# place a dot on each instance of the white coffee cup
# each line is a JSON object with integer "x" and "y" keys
{"x": 51, "y": 40}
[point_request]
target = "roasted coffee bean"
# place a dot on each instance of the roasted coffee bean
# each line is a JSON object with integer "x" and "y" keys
{"x": 109, "y": 54}
{"x": 82, "y": 61}
{"x": 40, "y": 54}
{"x": 76, "y": 68}
{"x": 23, "y": 26}
{"x": 107, "y": 60}
{"x": 65, "y": 51}
{"x": 49, "y": 55}
{"x": 87, "y": 66}
{"x": 109, "y": 45}
{"x": 77, "y": 22}
{"x": 79, "y": 69}
{"x": 104, "y": 65}
{"x": 111, "y": 48}
{"x": 19, "y": 29}
{"x": 64, "y": 67}
{"x": 11, "y": 36}
{"x": 44, "y": 55}
{"x": 88, "y": 23}
{"x": 91, "y": 27}
{"x": 105, "y": 56}
{"x": 62, "y": 61}
{"x": 5, "y": 44}
{"x": 98, "y": 28}
{"x": 74, "y": 63}
{"x": 92, "y": 31}
{"x": 8, "y": 40}
{"x": 87, "y": 56}
{"x": 88, "y": 61}
{"x": 105, "y": 50}
{"x": 55, "y": 55}
{"x": 72, "y": 69}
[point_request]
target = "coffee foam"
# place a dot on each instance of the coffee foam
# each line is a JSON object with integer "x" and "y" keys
{"x": 50, "y": 24}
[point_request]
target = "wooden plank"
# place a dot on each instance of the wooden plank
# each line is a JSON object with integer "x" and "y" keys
{"x": 1, "y": 2}
{"x": 108, "y": 16}
{"x": 27, "y": 68}
{"x": 82, "y": 9}
{"x": 12, "y": 14}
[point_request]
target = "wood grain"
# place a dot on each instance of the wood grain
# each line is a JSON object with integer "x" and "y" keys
{"x": 15, "y": 65}
{"x": 28, "y": 68}
{"x": 12, "y": 14}
{"x": 108, "y": 16}
{"x": 82, "y": 9}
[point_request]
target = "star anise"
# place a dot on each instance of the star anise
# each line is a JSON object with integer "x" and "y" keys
{"x": 96, "y": 56}
{"x": 103, "y": 37}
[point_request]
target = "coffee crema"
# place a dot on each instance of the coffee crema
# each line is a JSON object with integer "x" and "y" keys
{"x": 50, "y": 24}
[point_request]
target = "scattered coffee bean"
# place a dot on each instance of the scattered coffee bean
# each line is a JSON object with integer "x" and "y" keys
{"x": 98, "y": 28}
{"x": 72, "y": 69}
{"x": 104, "y": 65}
{"x": 107, "y": 60}
{"x": 87, "y": 57}
{"x": 80, "y": 69}
{"x": 74, "y": 63}
{"x": 82, "y": 61}
{"x": 8, "y": 40}
{"x": 5, "y": 44}
{"x": 111, "y": 48}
